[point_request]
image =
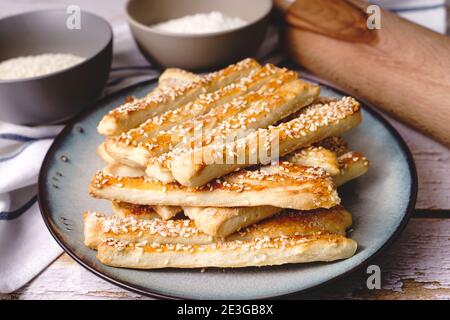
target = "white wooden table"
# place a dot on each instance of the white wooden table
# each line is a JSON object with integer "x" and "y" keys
{"x": 416, "y": 266}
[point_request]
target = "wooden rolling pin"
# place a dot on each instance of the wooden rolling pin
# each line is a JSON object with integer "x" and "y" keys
{"x": 402, "y": 68}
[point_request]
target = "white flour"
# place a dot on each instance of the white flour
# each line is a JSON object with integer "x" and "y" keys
{"x": 200, "y": 23}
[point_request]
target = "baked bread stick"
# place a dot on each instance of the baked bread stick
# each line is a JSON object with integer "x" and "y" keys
{"x": 316, "y": 157}
{"x": 104, "y": 155}
{"x": 174, "y": 77}
{"x": 124, "y": 209}
{"x": 133, "y": 113}
{"x": 283, "y": 93}
{"x": 352, "y": 165}
{"x": 309, "y": 188}
{"x": 317, "y": 122}
{"x": 133, "y": 147}
{"x": 283, "y": 99}
{"x": 98, "y": 227}
{"x": 232, "y": 254}
{"x": 164, "y": 212}
{"x": 221, "y": 222}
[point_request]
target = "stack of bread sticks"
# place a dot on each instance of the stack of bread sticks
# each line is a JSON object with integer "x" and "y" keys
{"x": 235, "y": 168}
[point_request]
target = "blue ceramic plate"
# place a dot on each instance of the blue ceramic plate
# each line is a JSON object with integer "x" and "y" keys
{"x": 380, "y": 202}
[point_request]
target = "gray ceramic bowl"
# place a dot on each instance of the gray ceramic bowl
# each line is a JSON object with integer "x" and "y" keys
{"x": 197, "y": 51}
{"x": 60, "y": 95}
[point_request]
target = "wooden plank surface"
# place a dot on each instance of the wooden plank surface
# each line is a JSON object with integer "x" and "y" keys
{"x": 416, "y": 266}
{"x": 433, "y": 166}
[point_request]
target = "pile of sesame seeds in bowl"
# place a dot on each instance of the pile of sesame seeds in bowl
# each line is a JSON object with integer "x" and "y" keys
{"x": 36, "y": 65}
{"x": 236, "y": 168}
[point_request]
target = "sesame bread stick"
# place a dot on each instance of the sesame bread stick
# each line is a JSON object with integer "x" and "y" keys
{"x": 283, "y": 93}
{"x": 128, "y": 209}
{"x": 317, "y": 122}
{"x": 352, "y": 165}
{"x": 230, "y": 254}
{"x": 275, "y": 106}
{"x": 124, "y": 209}
{"x": 121, "y": 171}
{"x": 167, "y": 212}
{"x": 323, "y": 154}
{"x": 252, "y": 80}
{"x": 136, "y": 145}
{"x": 173, "y": 81}
{"x": 133, "y": 113}
{"x": 174, "y": 77}
{"x": 312, "y": 156}
{"x": 316, "y": 156}
{"x": 335, "y": 220}
{"x": 104, "y": 155}
{"x": 335, "y": 144}
{"x": 310, "y": 188}
{"x": 221, "y": 222}
{"x": 171, "y": 78}
{"x": 98, "y": 227}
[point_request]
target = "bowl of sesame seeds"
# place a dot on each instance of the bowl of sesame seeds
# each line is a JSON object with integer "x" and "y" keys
{"x": 198, "y": 34}
{"x": 51, "y": 66}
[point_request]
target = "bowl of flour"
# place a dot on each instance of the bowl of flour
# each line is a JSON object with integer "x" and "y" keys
{"x": 198, "y": 34}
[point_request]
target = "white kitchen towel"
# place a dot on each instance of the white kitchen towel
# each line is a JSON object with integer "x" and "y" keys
{"x": 26, "y": 247}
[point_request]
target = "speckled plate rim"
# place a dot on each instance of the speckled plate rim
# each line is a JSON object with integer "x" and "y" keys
{"x": 145, "y": 291}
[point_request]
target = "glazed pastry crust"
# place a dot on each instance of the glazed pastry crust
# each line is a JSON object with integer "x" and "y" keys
{"x": 279, "y": 95}
{"x": 133, "y": 113}
{"x": 129, "y": 209}
{"x": 302, "y": 188}
{"x": 220, "y": 221}
{"x": 135, "y": 146}
{"x": 124, "y": 209}
{"x": 315, "y": 123}
{"x": 174, "y": 77}
{"x": 104, "y": 155}
{"x": 352, "y": 165}
{"x": 232, "y": 254}
{"x": 98, "y": 227}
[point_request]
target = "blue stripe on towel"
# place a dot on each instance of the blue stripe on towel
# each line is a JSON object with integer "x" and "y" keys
{"x": 21, "y": 138}
{"x": 16, "y": 137}
{"x": 11, "y": 215}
